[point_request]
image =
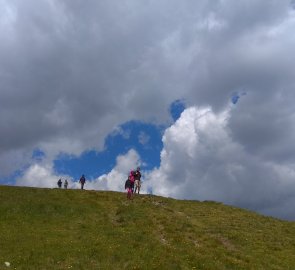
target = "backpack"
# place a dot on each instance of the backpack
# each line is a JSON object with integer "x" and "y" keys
{"x": 127, "y": 183}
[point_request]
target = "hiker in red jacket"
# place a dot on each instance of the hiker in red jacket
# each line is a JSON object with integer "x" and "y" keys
{"x": 131, "y": 177}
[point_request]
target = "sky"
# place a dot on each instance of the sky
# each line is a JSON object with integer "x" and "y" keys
{"x": 199, "y": 94}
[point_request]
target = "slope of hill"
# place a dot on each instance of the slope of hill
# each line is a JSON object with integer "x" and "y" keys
{"x": 75, "y": 229}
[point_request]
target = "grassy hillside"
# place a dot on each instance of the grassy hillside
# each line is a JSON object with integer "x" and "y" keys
{"x": 74, "y": 229}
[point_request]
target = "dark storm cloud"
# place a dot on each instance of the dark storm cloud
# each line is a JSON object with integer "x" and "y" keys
{"x": 265, "y": 126}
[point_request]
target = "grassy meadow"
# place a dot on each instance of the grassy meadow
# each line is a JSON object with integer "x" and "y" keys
{"x": 81, "y": 229}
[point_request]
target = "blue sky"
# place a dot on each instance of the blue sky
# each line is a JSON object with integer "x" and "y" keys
{"x": 145, "y": 138}
{"x": 94, "y": 164}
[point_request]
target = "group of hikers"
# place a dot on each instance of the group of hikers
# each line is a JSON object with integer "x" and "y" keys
{"x": 133, "y": 183}
{"x": 59, "y": 183}
{"x": 81, "y": 181}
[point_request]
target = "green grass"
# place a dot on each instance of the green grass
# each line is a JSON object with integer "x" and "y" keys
{"x": 75, "y": 229}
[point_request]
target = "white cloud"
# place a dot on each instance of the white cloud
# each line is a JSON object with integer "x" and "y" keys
{"x": 143, "y": 138}
{"x": 200, "y": 160}
{"x": 125, "y": 133}
{"x": 115, "y": 179}
{"x": 41, "y": 174}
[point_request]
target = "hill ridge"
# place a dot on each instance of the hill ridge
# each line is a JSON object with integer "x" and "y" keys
{"x": 84, "y": 229}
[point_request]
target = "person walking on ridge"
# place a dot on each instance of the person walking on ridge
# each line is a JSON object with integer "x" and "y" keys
{"x": 131, "y": 178}
{"x": 128, "y": 188}
{"x": 82, "y": 181}
{"x": 137, "y": 176}
{"x": 59, "y": 183}
{"x": 66, "y": 184}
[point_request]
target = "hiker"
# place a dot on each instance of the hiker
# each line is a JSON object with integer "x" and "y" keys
{"x": 131, "y": 178}
{"x": 82, "y": 181}
{"x": 59, "y": 183}
{"x": 128, "y": 188}
{"x": 137, "y": 176}
{"x": 66, "y": 184}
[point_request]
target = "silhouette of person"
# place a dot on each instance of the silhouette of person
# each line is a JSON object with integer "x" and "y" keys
{"x": 59, "y": 183}
{"x": 82, "y": 181}
{"x": 137, "y": 176}
{"x": 66, "y": 184}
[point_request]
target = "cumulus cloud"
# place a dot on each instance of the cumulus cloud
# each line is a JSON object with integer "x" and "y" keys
{"x": 202, "y": 160}
{"x": 41, "y": 175}
{"x": 115, "y": 179}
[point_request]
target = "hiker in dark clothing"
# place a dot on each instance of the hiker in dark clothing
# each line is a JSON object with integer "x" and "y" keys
{"x": 137, "y": 176}
{"x": 82, "y": 181}
{"x": 59, "y": 183}
{"x": 128, "y": 188}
